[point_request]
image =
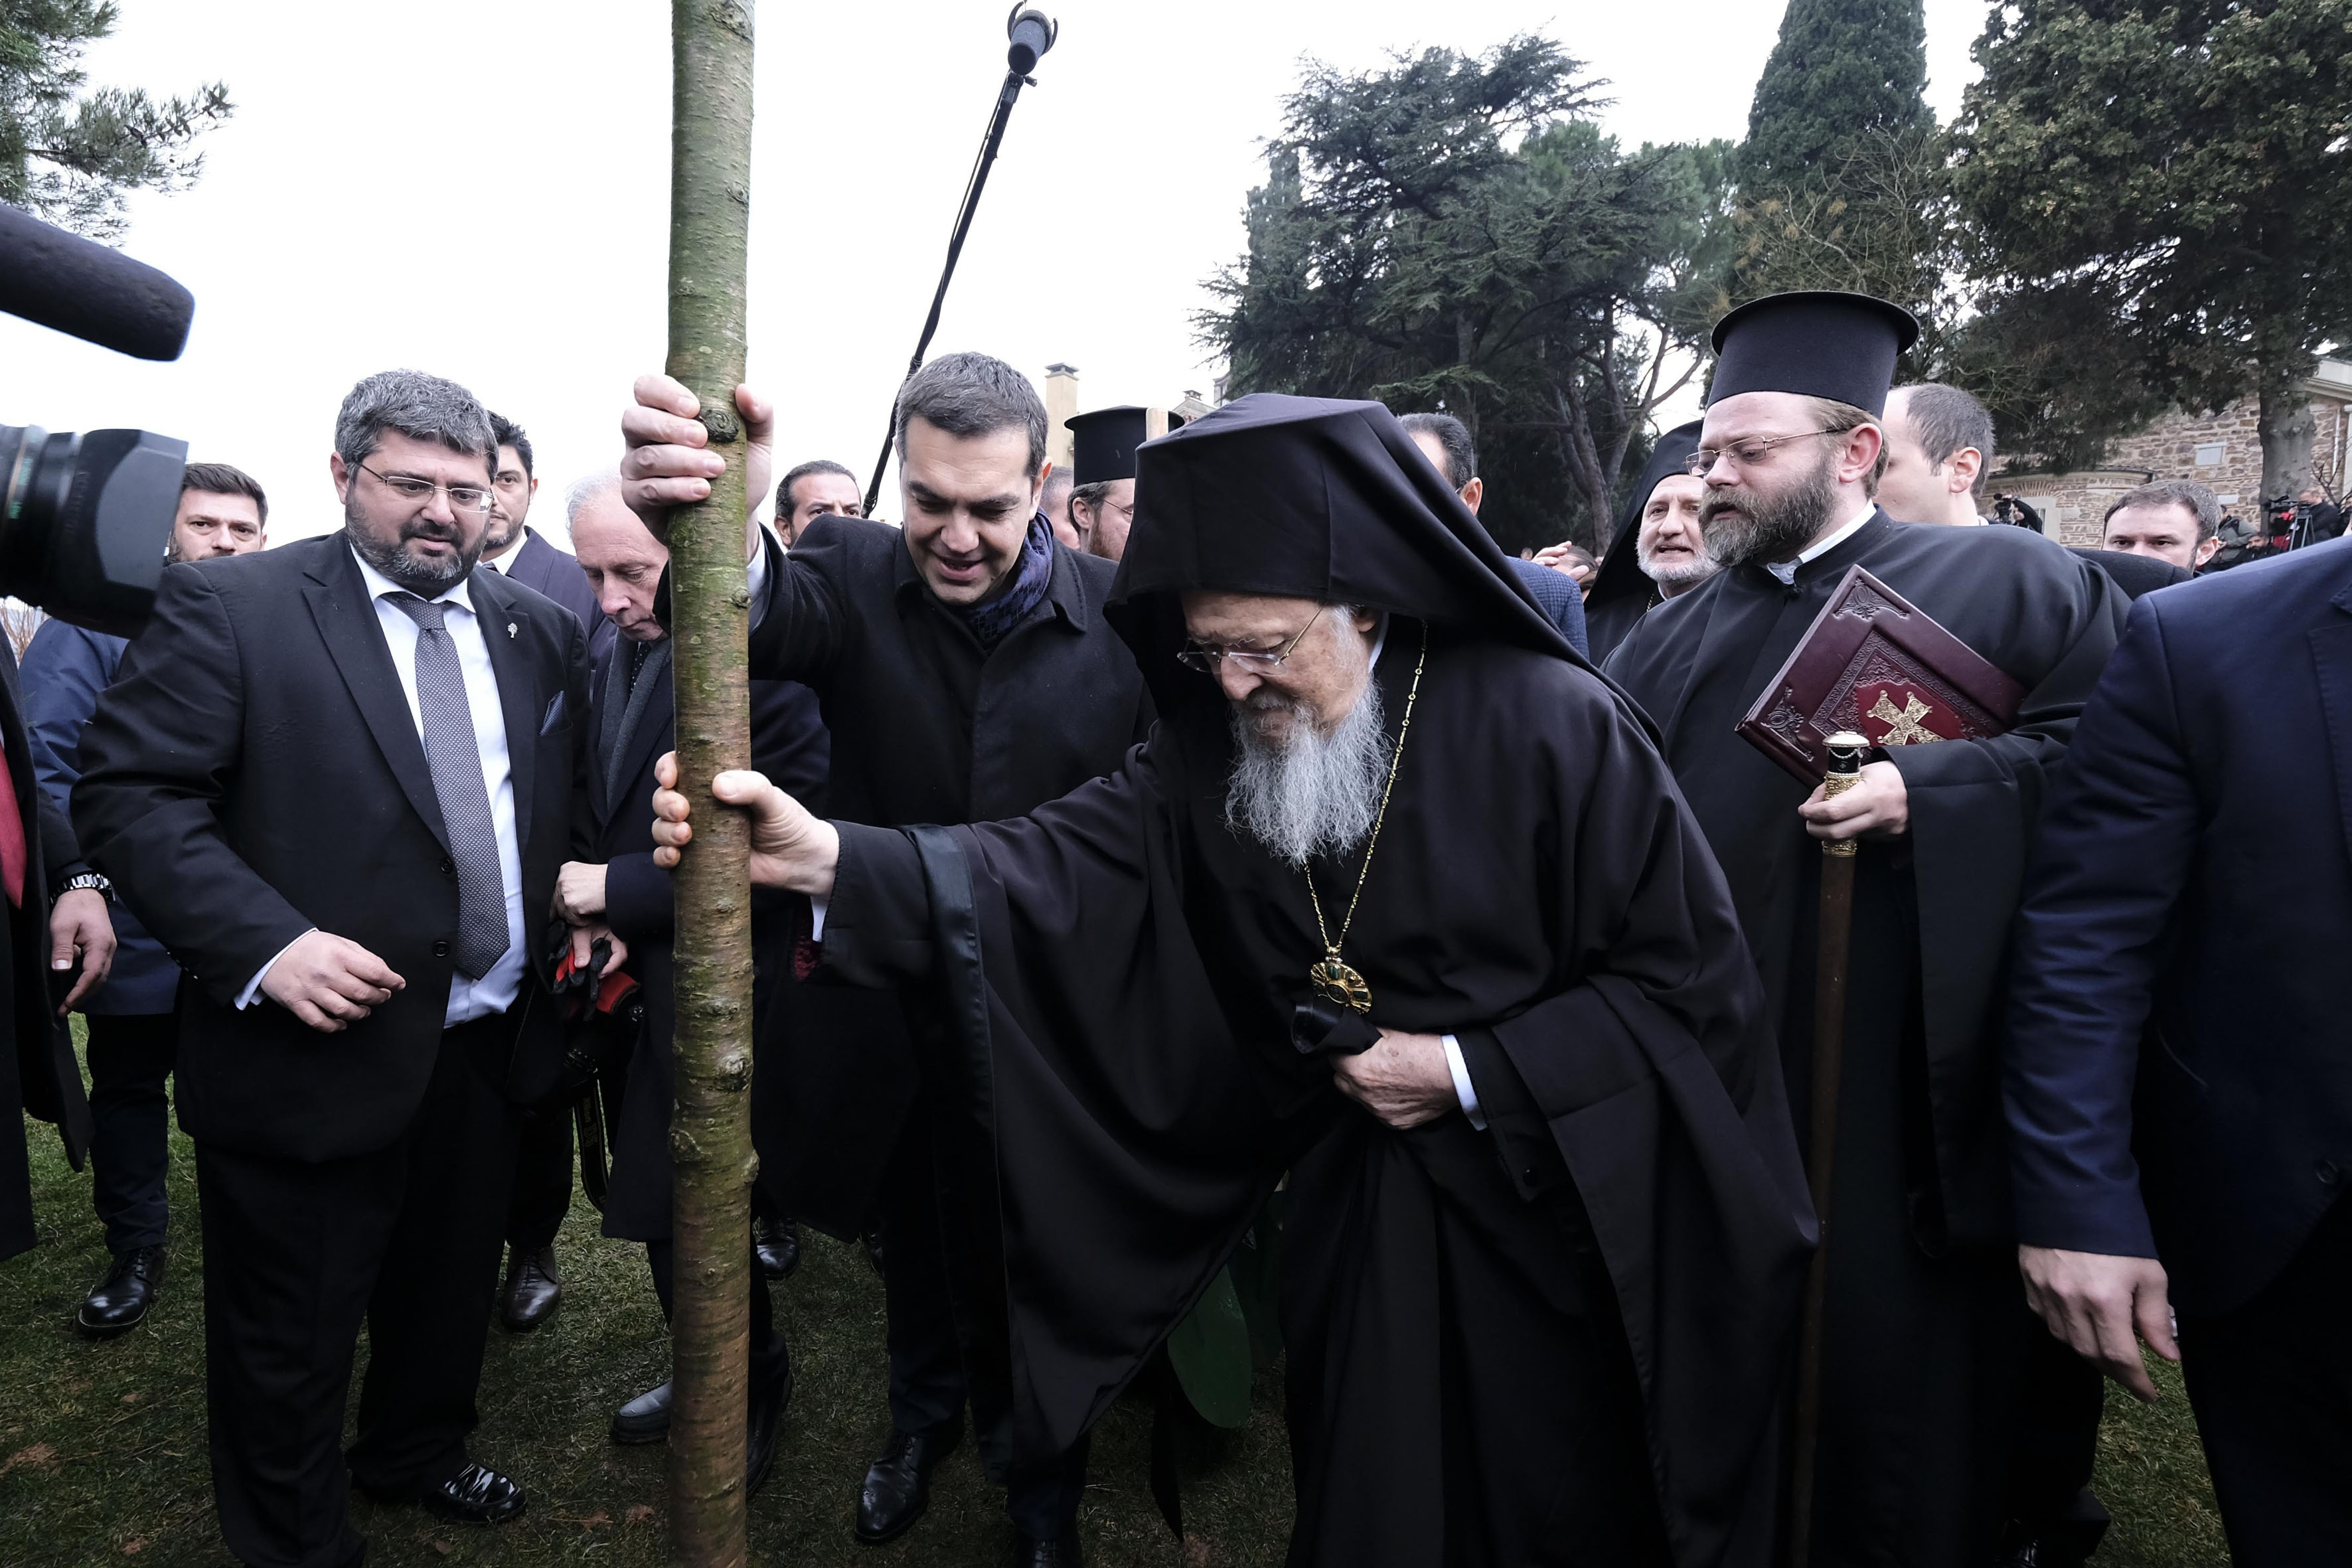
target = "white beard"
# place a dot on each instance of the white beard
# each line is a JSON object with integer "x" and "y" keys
{"x": 1314, "y": 792}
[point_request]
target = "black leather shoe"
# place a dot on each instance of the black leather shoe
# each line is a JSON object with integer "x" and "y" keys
{"x": 768, "y": 1406}
{"x": 644, "y": 1419}
{"x": 1053, "y": 1552}
{"x": 778, "y": 1245}
{"x": 118, "y": 1303}
{"x": 532, "y": 1291}
{"x": 475, "y": 1494}
{"x": 899, "y": 1484}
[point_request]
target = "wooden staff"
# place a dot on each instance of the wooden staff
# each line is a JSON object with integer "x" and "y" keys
{"x": 1836, "y": 937}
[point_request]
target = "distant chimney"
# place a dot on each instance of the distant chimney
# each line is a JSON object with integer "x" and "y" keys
{"x": 1061, "y": 402}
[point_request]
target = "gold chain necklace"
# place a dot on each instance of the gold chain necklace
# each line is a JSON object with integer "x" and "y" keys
{"x": 1334, "y": 979}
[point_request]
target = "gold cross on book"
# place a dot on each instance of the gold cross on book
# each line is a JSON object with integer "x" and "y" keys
{"x": 1903, "y": 729}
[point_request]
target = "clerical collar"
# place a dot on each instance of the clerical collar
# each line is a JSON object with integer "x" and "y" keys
{"x": 1786, "y": 570}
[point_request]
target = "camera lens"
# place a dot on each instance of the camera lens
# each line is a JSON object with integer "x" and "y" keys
{"x": 85, "y": 520}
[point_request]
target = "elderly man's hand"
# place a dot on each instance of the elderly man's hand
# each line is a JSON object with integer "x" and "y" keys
{"x": 1877, "y": 807}
{"x": 1403, "y": 1080}
{"x": 584, "y": 939}
{"x": 79, "y": 921}
{"x": 580, "y": 893}
{"x": 2095, "y": 1301}
{"x": 790, "y": 848}
{"x": 668, "y": 463}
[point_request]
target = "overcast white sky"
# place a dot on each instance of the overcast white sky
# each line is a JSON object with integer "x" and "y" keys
{"x": 479, "y": 188}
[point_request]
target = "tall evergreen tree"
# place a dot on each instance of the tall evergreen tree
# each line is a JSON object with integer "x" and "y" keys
{"x": 1454, "y": 231}
{"x": 72, "y": 157}
{"x": 1842, "y": 70}
{"x": 2163, "y": 197}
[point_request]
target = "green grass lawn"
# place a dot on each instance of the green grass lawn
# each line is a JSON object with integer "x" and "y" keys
{"x": 102, "y": 1445}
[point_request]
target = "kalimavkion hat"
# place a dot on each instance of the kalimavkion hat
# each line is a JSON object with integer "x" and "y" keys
{"x": 1818, "y": 343}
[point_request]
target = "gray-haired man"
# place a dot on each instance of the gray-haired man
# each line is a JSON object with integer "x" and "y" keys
{"x": 337, "y": 780}
{"x": 968, "y": 674}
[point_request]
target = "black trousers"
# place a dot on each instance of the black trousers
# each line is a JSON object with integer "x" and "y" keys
{"x": 296, "y": 1255}
{"x": 927, "y": 1384}
{"x": 770, "y": 1357}
{"x": 2271, "y": 1386}
{"x": 542, "y": 1179}
{"x": 131, "y": 1054}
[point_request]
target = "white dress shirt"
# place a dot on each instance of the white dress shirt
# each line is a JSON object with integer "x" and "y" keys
{"x": 495, "y": 992}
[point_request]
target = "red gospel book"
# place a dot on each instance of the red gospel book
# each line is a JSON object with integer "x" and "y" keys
{"x": 1873, "y": 663}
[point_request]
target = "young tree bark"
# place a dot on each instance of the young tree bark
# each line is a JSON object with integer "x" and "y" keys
{"x": 711, "y": 1129}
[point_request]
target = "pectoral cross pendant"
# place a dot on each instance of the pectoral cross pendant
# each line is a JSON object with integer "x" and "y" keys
{"x": 1336, "y": 982}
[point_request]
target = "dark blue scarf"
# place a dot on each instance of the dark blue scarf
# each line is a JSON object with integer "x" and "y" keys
{"x": 993, "y": 618}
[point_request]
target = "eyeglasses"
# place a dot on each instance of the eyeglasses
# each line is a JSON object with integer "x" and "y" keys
{"x": 1745, "y": 454}
{"x": 1206, "y": 656}
{"x": 408, "y": 487}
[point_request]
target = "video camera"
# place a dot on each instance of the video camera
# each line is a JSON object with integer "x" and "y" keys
{"x": 85, "y": 520}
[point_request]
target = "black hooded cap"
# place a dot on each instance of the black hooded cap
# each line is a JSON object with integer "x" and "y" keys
{"x": 1307, "y": 498}
{"x": 1816, "y": 342}
{"x": 1103, "y": 443}
{"x": 1620, "y": 594}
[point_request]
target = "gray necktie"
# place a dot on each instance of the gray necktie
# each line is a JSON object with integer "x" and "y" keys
{"x": 455, "y": 758}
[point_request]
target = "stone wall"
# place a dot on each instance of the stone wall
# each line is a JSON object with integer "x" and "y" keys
{"x": 2223, "y": 451}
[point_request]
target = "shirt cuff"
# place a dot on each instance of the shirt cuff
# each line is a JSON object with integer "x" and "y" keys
{"x": 245, "y": 998}
{"x": 1463, "y": 1089}
{"x": 817, "y": 919}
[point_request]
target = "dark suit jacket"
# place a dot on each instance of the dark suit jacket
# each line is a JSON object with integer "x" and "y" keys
{"x": 1558, "y": 597}
{"x": 66, "y": 667}
{"x": 2135, "y": 574}
{"x": 39, "y": 1075}
{"x": 543, "y": 568}
{"x": 254, "y": 771}
{"x": 2176, "y": 1074}
{"x": 788, "y": 745}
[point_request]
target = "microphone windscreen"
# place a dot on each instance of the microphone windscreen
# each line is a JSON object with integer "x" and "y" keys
{"x": 94, "y": 293}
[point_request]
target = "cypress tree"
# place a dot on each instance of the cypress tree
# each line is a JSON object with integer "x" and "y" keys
{"x": 1843, "y": 69}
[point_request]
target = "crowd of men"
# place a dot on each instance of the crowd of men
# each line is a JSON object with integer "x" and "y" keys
{"x": 1231, "y": 815}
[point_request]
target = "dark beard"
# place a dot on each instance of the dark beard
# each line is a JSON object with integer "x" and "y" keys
{"x": 425, "y": 578}
{"x": 1778, "y": 525}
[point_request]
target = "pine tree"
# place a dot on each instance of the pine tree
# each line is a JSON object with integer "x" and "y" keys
{"x": 1842, "y": 70}
{"x": 71, "y": 158}
{"x": 2164, "y": 198}
{"x": 710, "y": 1126}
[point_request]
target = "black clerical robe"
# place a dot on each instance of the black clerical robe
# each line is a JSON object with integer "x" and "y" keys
{"x": 1561, "y": 1338}
{"x": 1925, "y": 1325}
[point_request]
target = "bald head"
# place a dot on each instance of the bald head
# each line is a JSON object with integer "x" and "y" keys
{"x": 623, "y": 560}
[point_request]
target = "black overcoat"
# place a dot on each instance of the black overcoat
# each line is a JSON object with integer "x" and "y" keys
{"x": 927, "y": 727}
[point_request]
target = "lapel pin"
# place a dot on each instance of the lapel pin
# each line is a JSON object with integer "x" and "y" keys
{"x": 511, "y": 630}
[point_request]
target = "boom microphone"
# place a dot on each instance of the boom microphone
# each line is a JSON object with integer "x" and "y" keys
{"x": 94, "y": 293}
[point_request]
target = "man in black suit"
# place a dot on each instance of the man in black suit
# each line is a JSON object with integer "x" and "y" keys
{"x": 2179, "y": 1097}
{"x": 633, "y": 722}
{"x": 337, "y": 781}
{"x": 967, "y": 674}
{"x": 533, "y": 1288}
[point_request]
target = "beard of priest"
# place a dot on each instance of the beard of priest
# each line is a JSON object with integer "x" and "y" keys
{"x": 1546, "y": 1232}
{"x": 1949, "y": 1419}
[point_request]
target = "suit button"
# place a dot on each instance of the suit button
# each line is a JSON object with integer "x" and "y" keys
{"x": 440, "y": 950}
{"x": 449, "y": 867}
{"x": 2327, "y": 1172}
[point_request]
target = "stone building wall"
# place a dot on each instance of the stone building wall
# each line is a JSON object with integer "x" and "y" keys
{"x": 2223, "y": 451}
